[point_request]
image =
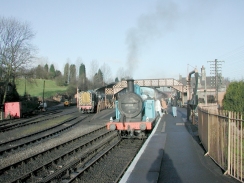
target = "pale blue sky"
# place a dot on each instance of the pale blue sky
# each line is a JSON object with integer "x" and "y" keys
{"x": 153, "y": 39}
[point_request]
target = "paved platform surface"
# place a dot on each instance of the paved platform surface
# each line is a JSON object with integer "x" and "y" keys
{"x": 173, "y": 154}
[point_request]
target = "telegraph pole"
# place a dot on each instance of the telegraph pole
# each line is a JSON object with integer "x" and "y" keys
{"x": 216, "y": 70}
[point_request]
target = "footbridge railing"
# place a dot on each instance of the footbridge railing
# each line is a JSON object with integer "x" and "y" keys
{"x": 168, "y": 82}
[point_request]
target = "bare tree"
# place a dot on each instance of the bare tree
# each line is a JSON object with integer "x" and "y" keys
{"x": 107, "y": 74}
{"x": 120, "y": 73}
{"x": 41, "y": 69}
{"x": 16, "y": 51}
{"x": 72, "y": 73}
{"x": 77, "y": 64}
{"x": 93, "y": 71}
{"x": 123, "y": 74}
{"x": 98, "y": 79}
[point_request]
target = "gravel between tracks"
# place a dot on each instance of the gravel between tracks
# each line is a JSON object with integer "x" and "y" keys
{"x": 73, "y": 133}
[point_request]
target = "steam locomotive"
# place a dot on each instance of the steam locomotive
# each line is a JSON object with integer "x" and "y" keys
{"x": 135, "y": 115}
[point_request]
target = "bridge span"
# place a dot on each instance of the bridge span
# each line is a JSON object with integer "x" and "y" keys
{"x": 167, "y": 82}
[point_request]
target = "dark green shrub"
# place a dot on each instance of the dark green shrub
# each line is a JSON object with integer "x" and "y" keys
{"x": 234, "y": 97}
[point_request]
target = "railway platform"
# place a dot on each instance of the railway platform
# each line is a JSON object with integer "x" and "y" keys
{"x": 173, "y": 154}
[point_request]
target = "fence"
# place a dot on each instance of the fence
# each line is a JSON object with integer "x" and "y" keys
{"x": 221, "y": 133}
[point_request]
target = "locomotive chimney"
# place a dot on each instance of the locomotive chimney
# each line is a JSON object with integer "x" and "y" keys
{"x": 130, "y": 85}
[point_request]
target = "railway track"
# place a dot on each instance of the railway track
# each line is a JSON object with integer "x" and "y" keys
{"x": 54, "y": 156}
{"x": 36, "y": 167}
{"x": 9, "y": 124}
{"x": 25, "y": 141}
{"x": 27, "y": 127}
{"x": 108, "y": 166}
{"x": 12, "y": 124}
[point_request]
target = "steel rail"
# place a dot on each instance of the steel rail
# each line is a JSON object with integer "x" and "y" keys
{"x": 78, "y": 160}
{"x": 47, "y": 150}
{"x": 12, "y": 126}
{"x": 68, "y": 153}
{"x": 89, "y": 164}
{"x": 25, "y": 140}
{"x": 79, "y": 172}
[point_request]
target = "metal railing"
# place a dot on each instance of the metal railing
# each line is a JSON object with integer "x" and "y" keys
{"x": 221, "y": 134}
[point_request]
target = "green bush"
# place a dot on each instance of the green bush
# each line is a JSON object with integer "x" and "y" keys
{"x": 233, "y": 99}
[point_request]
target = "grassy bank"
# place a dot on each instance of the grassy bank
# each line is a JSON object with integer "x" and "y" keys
{"x": 35, "y": 87}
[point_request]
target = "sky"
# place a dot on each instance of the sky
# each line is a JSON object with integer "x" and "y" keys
{"x": 148, "y": 39}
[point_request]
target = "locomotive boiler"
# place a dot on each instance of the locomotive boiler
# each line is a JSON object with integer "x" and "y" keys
{"x": 135, "y": 116}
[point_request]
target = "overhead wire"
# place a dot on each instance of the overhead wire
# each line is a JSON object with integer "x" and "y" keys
{"x": 233, "y": 52}
{"x": 232, "y": 63}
